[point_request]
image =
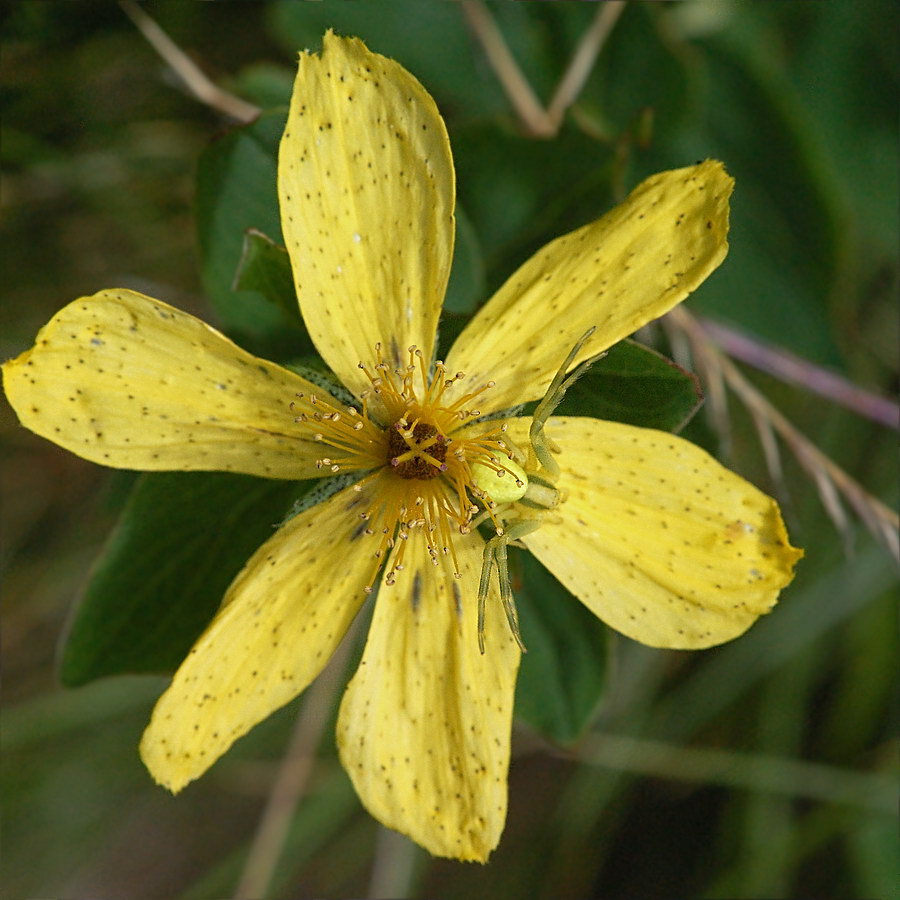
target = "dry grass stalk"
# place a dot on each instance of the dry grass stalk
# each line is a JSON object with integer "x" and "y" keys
{"x": 832, "y": 482}
{"x": 292, "y": 776}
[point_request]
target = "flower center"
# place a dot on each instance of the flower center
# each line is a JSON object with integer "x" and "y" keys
{"x": 405, "y": 433}
{"x": 416, "y": 451}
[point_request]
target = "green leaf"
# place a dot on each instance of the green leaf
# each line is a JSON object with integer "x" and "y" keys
{"x": 266, "y": 84}
{"x": 642, "y": 69}
{"x": 439, "y": 50}
{"x": 872, "y": 849}
{"x": 789, "y": 233}
{"x": 450, "y": 328}
{"x": 564, "y": 671}
{"x": 520, "y": 193}
{"x": 265, "y": 267}
{"x": 465, "y": 289}
{"x": 236, "y": 191}
{"x": 179, "y": 542}
{"x": 635, "y": 385}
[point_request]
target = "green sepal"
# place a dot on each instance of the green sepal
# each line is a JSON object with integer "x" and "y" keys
{"x": 322, "y": 490}
{"x": 315, "y": 370}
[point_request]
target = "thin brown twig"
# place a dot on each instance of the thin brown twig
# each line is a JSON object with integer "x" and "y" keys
{"x": 538, "y": 121}
{"x": 583, "y": 60}
{"x": 292, "y": 777}
{"x": 525, "y": 102}
{"x": 196, "y": 81}
{"x": 831, "y": 480}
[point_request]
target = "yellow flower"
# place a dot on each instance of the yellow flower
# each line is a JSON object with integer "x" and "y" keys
{"x": 647, "y": 530}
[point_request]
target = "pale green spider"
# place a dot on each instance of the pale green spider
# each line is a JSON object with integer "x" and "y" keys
{"x": 533, "y": 486}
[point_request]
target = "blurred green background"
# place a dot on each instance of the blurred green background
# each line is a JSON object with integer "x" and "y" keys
{"x": 765, "y": 768}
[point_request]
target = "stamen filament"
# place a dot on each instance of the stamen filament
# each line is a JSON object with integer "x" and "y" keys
{"x": 421, "y": 470}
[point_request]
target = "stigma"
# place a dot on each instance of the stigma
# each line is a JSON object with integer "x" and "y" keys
{"x": 421, "y": 450}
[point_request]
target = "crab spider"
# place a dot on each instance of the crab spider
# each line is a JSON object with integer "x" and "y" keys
{"x": 530, "y": 495}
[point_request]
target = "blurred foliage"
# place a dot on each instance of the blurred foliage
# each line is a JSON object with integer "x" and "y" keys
{"x": 178, "y": 544}
{"x": 113, "y": 176}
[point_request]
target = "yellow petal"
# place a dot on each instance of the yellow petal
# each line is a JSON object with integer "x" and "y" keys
{"x": 365, "y": 180}
{"x": 657, "y": 538}
{"x": 424, "y": 727}
{"x": 636, "y": 263}
{"x": 279, "y": 623}
{"x": 130, "y": 382}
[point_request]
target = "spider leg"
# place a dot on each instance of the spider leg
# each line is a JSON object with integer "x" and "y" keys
{"x": 487, "y": 563}
{"x": 495, "y": 553}
{"x": 561, "y": 383}
{"x": 506, "y": 594}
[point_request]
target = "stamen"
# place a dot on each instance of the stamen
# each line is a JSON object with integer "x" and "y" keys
{"x": 421, "y": 474}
